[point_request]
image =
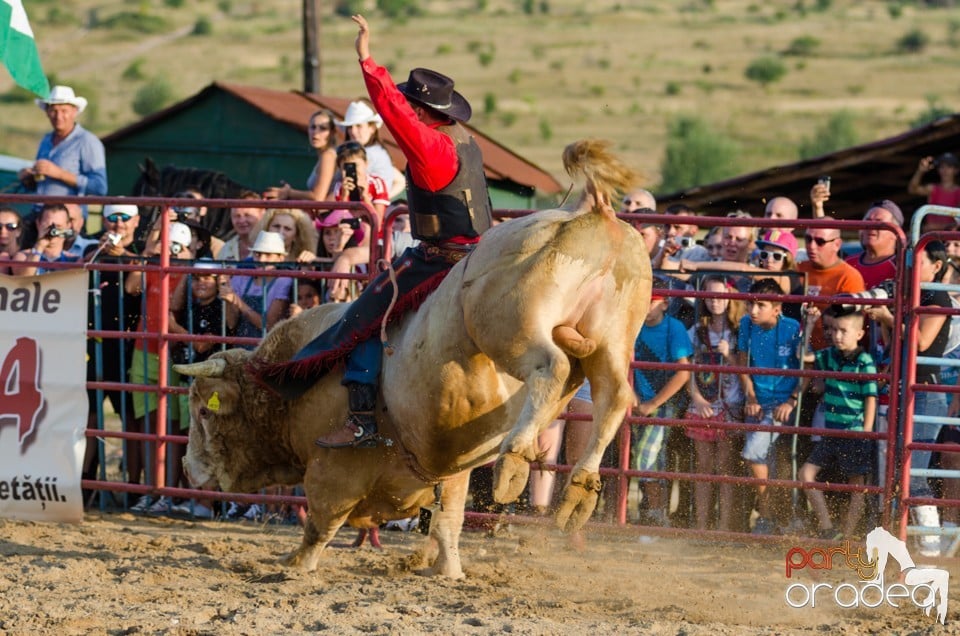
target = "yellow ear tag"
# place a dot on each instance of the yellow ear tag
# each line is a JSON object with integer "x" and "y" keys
{"x": 214, "y": 402}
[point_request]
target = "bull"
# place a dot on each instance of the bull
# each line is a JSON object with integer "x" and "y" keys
{"x": 487, "y": 362}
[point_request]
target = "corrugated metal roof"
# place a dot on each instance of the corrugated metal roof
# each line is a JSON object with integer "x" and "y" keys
{"x": 295, "y": 107}
{"x": 859, "y": 175}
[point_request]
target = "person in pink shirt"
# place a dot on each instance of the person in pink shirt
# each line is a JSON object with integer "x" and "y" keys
{"x": 945, "y": 191}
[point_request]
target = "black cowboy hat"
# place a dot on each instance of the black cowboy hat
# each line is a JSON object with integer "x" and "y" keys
{"x": 435, "y": 91}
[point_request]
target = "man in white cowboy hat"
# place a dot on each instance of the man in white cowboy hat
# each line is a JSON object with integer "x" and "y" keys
{"x": 70, "y": 160}
{"x": 449, "y": 210}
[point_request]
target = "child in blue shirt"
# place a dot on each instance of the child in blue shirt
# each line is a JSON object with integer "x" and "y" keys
{"x": 663, "y": 338}
{"x": 767, "y": 339}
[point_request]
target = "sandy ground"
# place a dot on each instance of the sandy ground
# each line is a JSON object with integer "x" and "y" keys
{"x": 123, "y": 574}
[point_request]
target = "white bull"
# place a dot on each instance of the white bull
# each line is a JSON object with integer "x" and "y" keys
{"x": 486, "y": 363}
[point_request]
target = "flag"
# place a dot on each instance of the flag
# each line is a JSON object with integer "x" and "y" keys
{"x": 18, "y": 50}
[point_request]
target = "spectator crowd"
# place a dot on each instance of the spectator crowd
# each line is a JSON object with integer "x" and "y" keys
{"x": 713, "y": 328}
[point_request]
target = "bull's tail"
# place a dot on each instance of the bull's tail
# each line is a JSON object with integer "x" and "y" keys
{"x": 605, "y": 173}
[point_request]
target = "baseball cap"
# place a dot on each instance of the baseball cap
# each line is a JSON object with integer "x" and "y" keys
{"x": 781, "y": 239}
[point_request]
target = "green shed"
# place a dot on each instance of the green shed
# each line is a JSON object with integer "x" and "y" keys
{"x": 257, "y": 137}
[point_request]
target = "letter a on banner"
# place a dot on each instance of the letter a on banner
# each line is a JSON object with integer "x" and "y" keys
{"x": 43, "y": 398}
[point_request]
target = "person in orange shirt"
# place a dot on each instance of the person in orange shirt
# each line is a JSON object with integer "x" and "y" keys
{"x": 827, "y": 274}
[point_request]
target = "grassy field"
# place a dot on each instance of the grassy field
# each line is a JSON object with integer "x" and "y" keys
{"x": 619, "y": 70}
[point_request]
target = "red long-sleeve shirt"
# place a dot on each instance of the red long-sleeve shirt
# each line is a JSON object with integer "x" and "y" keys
{"x": 431, "y": 155}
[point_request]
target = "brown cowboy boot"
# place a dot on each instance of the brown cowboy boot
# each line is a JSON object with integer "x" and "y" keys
{"x": 360, "y": 429}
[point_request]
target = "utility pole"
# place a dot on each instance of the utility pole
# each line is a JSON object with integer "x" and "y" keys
{"x": 311, "y": 47}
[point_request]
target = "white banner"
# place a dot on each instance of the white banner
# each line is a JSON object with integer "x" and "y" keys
{"x": 43, "y": 398}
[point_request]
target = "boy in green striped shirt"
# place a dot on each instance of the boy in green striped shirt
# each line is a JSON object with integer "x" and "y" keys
{"x": 848, "y": 405}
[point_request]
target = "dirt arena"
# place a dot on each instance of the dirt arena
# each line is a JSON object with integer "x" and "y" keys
{"x": 122, "y": 574}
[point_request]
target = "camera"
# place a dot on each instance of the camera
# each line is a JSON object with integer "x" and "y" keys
{"x": 883, "y": 291}
{"x": 54, "y": 232}
{"x": 354, "y": 224}
{"x": 113, "y": 238}
{"x": 185, "y": 213}
{"x": 686, "y": 242}
{"x": 175, "y": 248}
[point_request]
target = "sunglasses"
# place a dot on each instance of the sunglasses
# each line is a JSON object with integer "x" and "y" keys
{"x": 13, "y": 227}
{"x": 627, "y": 203}
{"x": 777, "y": 256}
{"x": 116, "y": 217}
{"x": 818, "y": 240}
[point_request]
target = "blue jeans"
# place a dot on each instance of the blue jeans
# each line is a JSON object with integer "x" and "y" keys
{"x": 932, "y": 404}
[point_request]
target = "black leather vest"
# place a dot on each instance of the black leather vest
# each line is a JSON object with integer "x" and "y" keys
{"x": 463, "y": 207}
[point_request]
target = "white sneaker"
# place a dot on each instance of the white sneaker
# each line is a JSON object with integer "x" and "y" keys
{"x": 234, "y": 511}
{"x": 161, "y": 506}
{"x": 404, "y": 525}
{"x": 253, "y": 513}
{"x": 928, "y": 516}
{"x": 196, "y": 510}
{"x": 142, "y": 505}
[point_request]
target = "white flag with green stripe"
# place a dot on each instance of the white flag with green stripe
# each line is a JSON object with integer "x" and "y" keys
{"x": 18, "y": 50}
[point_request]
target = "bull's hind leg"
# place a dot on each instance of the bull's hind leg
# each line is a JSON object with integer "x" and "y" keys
{"x": 442, "y": 551}
{"x": 544, "y": 368}
{"x": 612, "y": 396}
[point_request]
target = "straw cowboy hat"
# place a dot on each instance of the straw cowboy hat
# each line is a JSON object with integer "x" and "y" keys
{"x": 269, "y": 243}
{"x": 435, "y": 91}
{"x": 62, "y": 95}
{"x": 359, "y": 113}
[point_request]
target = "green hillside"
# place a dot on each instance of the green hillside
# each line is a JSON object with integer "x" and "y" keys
{"x": 539, "y": 74}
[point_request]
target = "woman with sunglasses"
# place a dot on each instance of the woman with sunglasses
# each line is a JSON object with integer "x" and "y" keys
{"x": 322, "y": 137}
{"x": 10, "y": 225}
{"x": 776, "y": 252}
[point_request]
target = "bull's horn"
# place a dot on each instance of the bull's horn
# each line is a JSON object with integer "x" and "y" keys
{"x": 212, "y": 368}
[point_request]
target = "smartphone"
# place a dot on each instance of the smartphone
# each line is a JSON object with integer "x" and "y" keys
{"x": 350, "y": 171}
{"x": 824, "y": 181}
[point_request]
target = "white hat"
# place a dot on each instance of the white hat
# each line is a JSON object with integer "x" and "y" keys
{"x": 206, "y": 263}
{"x": 359, "y": 113}
{"x": 180, "y": 233}
{"x": 120, "y": 208}
{"x": 62, "y": 95}
{"x": 269, "y": 243}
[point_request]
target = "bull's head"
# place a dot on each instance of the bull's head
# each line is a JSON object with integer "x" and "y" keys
{"x": 215, "y": 411}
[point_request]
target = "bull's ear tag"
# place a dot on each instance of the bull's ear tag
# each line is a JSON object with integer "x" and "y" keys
{"x": 214, "y": 402}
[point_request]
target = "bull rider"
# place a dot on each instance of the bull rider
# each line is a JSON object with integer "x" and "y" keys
{"x": 449, "y": 209}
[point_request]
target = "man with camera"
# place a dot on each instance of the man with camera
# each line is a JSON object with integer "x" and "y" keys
{"x": 53, "y": 229}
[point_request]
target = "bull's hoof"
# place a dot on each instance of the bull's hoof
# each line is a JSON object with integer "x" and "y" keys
{"x": 510, "y": 475}
{"x": 450, "y": 573}
{"x": 579, "y": 501}
{"x": 301, "y": 559}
